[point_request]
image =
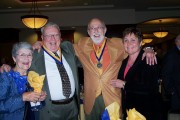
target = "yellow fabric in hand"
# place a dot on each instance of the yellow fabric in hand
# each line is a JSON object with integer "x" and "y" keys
{"x": 113, "y": 110}
{"x": 36, "y": 81}
{"x": 132, "y": 114}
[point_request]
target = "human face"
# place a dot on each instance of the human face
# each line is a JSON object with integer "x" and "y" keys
{"x": 23, "y": 59}
{"x": 178, "y": 43}
{"x": 51, "y": 38}
{"x": 96, "y": 31}
{"x": 131, "y": 44}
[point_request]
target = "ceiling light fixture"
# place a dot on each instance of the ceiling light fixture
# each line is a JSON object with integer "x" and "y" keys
{"x": 34, "y": 20}
{"x": 161, "y": 33}
{"x": 147, "y": 40}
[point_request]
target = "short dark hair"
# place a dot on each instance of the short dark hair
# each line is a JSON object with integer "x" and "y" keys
{"x": 135, "y": 31}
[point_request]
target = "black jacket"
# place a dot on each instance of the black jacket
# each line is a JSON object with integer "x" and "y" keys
{"x": 171, "y": 76}
{"x": 141, "y": 88}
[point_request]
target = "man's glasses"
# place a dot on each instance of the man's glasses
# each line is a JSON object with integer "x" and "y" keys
{"x": 96, "y": 28}
{"x": 25, "y": 55}
{"x": 56, "y": 36}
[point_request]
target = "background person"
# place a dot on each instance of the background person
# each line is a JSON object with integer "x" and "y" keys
{"x": 13, "y": 84}
{"x": 171, "y": 74}
{"x": 138, "y": 79}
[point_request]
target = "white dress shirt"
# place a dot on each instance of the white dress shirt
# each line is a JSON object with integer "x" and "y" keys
{"x": 54, "y": 78}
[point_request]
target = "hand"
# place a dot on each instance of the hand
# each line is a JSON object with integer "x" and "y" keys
{"x": 150, "y": 56}
{"x": 43, "y": 96}
{"x": 31, "y": 96}
{"x": 37, "y": 45}
{"x": 5, "y": 68}
{"x": 117, "y": 83}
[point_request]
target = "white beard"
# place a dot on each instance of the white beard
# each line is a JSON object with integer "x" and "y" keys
{"x": 97, "y": 40}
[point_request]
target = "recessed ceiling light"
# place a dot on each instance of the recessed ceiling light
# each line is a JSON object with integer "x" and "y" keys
{"x": 86, "y": 4}
{"x": 47, "y": 5}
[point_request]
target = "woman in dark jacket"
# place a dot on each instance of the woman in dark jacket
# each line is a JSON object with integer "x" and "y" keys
{"x": 138, "y": 79}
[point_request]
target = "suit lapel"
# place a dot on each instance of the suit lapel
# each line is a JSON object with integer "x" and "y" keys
{"x": 113, "y": 52}
{"x": 88, "y": 48}
{"x": 41, "y": 63}
{"x": 134, "y": 66}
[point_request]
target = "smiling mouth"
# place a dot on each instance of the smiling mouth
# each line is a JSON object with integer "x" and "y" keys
{"x": 25, "y": 63}
{"x": 96, "y": 35}
{"x": 52, "y": 43}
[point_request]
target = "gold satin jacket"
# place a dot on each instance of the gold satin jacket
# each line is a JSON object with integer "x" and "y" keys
{"x": 92, "y": 78}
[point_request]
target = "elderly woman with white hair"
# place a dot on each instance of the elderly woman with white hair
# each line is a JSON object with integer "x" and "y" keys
{"x": 13, "y": 84}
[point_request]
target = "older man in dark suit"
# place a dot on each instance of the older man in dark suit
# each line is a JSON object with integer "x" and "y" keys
{"x": 61, "y": 103}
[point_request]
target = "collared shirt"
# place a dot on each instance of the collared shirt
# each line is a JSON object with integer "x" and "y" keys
{"x": 54, "y": 78}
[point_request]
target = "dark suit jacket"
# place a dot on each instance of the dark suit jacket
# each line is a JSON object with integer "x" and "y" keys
{"x": 141, "y": 88}
{"x": 38, "y": 65}
{"x": 171, "y": 76}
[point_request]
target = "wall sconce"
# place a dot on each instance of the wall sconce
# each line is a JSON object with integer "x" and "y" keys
{"x": 34, "y": 20}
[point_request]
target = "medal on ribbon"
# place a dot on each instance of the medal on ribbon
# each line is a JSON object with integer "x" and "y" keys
{"x": 99, "y": 54}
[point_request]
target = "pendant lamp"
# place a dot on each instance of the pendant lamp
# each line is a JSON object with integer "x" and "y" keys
{"x": 34, "y": 19}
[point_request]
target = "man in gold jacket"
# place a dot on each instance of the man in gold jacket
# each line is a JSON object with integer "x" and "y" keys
{"x": 97, "y": 84}
{"x": 101, "y": 59}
